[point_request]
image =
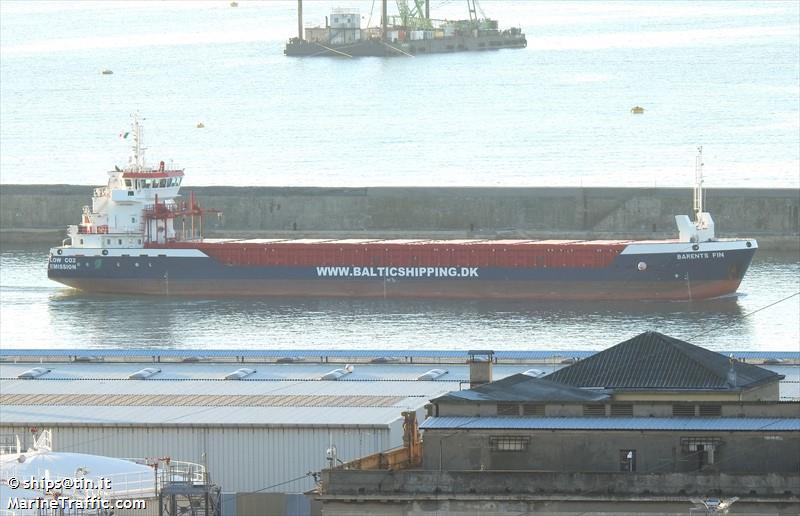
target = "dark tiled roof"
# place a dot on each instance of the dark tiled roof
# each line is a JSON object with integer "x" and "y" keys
{"x": 524, "y": 388}
{"x": 655, "y": 361}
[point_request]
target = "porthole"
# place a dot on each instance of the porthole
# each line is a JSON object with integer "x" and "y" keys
{"x": 695, "y": 247}
{"x": 117, "y": 264}
{"x": 59, "y": 251}
{"x": 642, "y": 266}
{"x": 105, "y": 252}
{"x": 136, "y": 264}
{"x": 149, "y": 264}
{"x": 748, "y": 244}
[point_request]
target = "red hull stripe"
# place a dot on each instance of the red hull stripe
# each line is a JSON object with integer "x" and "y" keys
{"x": 388, "y": 253}
{"x": 527, "y": 290}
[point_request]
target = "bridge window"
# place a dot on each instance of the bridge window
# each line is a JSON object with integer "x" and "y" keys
{"x": 128, "y": 183}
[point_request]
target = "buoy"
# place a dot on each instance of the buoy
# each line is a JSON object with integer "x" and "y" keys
{"x": 637, "y": 110}
{"x": 200, "y": 125}
{"x": 107, "y": 72}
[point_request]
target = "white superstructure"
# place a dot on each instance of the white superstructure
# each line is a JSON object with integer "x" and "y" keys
{"x": 136, "y": 207}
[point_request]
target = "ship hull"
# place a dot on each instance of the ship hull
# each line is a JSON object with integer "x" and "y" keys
{"x": 535, "y": 291}
{"x": 647, "y": 275}
{"x": 378, "y": 48}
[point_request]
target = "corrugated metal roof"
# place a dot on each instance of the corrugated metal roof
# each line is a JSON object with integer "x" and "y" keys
{"x": 205, "y": 416}
{"x": 317, "y": 354}
{"x": 198, "y": 400}
{"x": 424, "y": 390}
{"x": 614, "y": 423}
{"x": 521, "y": 387}
{"x": 655, "y": 361}
{"x": 264, "y": 372}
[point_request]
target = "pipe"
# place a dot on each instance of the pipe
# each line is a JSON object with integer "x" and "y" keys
{"x": 300, "y": 19}
{"x": 427, "y": 9}
{"x": 384, "y": 20}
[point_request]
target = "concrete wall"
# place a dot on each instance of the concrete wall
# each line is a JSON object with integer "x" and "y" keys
{"x": 544, "y": 506}
{"x": 519, "y": 483}
{"x": 599, "y": 451}
{"x": 484, "y": 212}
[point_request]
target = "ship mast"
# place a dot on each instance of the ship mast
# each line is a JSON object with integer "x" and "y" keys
{"x": 698, "y": 184}
{"x": 136, "y": 161}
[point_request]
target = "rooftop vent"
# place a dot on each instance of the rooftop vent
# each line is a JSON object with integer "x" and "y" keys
{"x": 385, "y": 360}
{"x": 87, "y": 358}
{"x": 240, "y": 373}
{"x": 431, "y": 375}
{"x": 36, "y": 372}
{"x": 289, "y": 360}
{"x": 144, "y": 374}
{"x": 337, "y": 373}
{"x": 536, "y": 373}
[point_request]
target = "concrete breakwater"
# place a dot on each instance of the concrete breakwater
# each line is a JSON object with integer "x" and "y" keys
{"x": 38, "y": 213}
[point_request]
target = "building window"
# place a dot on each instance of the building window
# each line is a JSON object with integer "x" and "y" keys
{"x": 622, "y": 409}
{"x": 507, "y": 409}
{"x": 509, "y": 443}
{"x": 683, "y": 410}
{"x": 710, "y": 410}
{"x": 533, "y": 409}
{"x": 627, "y": 460}
{"x": 701, "y": 449}
{"x": 594, "y": 410}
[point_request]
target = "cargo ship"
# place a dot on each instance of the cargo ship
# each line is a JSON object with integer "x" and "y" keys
{"x": 412, "y": 32}
{"x": 140, "y": 237}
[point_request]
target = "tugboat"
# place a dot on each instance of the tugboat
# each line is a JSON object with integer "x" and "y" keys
{"x": 138, "y": 238}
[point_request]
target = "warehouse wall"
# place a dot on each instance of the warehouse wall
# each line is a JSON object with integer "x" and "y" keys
{"x": 239, "y": 459}
{"x": 573, "y": 212}
{"x": 599, "y": 451}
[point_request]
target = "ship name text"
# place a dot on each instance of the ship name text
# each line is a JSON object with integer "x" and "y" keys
{"x": 701, "y": 256}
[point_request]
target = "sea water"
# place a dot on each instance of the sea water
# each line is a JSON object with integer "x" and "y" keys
{"x": 721, "y": 75}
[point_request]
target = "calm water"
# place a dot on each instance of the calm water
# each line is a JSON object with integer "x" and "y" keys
{"x": 35, "y": 312}
{"x": 722, "y": 75}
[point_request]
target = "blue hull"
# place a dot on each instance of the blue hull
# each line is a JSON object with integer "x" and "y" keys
{"x": 657, "y": 276}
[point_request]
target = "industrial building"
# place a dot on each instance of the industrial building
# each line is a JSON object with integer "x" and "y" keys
{"x": 653, "y": 425}
{"x": 263, "y": 422}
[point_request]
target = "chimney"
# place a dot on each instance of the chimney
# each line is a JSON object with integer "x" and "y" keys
{"x": 480, "y": 367}
{"x": 731, "y": 372}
